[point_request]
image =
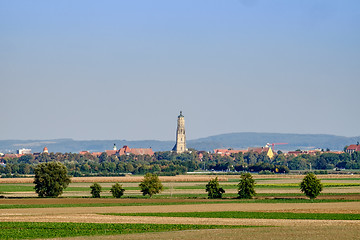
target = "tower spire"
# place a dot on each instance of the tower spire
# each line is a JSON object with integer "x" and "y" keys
{"x": 180, "y": 145}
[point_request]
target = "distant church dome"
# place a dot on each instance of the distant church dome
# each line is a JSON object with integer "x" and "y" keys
{"x": 45, "y": 150}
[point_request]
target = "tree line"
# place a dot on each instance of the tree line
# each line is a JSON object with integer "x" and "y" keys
{"x": 170, "y": 163}
{"x": 51, "y": 179}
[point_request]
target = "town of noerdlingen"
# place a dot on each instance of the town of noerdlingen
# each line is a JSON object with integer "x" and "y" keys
{"x": 179, "y": 119}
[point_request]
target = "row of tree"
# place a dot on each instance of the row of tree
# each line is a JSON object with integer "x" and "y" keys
{"x": 170, "y": 163}
{"x": 52, "y": 178}
{"x": 310, "y": 186}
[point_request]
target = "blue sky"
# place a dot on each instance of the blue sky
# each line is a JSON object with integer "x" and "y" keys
{"x": 124, "y": 69}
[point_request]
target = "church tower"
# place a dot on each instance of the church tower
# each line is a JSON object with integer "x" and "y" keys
{"x": 180, "y": 145}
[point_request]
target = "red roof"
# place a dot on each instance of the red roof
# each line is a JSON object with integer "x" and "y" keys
{"x": 296, "y": 153}
{"x": 259, "y": 149}
{"x": 142, "y": 151}
{"x": 96, "y": 154}
{"x": 136, "y": 151}
{"x": 354, "y": 147}
{"x": 12, "y": 155}
{"x": 228, "y": 152}
{"x": 111, "y": 152}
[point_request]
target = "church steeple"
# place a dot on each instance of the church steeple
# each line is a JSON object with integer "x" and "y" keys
{"x": 180, "y": 145}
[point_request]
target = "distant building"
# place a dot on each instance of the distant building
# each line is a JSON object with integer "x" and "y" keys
{"x": 311, "y": 152}
{"x": 180, "y": 145}
{"x": 111, "y": 152}
{"x": 259, "y": 150}
{"x": 45, "y": 150}
{"x": 84, "y": 152}
{"x": 12, "y": 155}
{"x": 23, "y": 151}
{"x": 96, "y": 154}
{"x": 228, "y": 152}
{"x": 125, "y": 150}
{"x": 353, "y": 148}
{"x": 296, "y": 153}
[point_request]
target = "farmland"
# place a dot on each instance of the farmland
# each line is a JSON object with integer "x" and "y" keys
{"x": 279, "y": 209}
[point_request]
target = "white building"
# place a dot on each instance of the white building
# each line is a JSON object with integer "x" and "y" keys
{"x": 24, "y": 151}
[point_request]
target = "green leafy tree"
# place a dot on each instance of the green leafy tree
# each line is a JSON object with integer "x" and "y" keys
{"x": 117, "y": 190}
{"x": 213, "y": 189}
{"x": 246, "y": 186}
{"x": 95, "y": 190}
{"x": 311, "y": 186}
{"x": 150, "y": 185}
{"x": 51, "y": 179}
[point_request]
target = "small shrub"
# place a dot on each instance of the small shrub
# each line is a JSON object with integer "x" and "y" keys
{"x": 95, "y": 190}
{"x": 117, "y": 190}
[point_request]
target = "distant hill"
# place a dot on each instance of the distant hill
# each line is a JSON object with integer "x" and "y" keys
{"x": 230, "y": 140}
{"x": 295, "y": 141}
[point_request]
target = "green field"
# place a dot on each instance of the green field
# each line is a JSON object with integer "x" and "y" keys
{"x": 30, "y": 230}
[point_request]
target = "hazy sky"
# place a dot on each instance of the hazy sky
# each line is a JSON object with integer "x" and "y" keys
{"x": 124, "y": 69}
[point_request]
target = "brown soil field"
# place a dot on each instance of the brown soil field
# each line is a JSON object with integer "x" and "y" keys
{"x": 332, "y": 207}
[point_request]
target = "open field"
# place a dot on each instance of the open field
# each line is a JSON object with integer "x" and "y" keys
{"x": 27, "y": 230}
{"x": 280, "y": 209}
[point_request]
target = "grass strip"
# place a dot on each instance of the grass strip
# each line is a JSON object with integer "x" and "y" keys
{"x": 31, "y": 230}
{"x": 223, "y": 201}
{"x": 258, "y": 215}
